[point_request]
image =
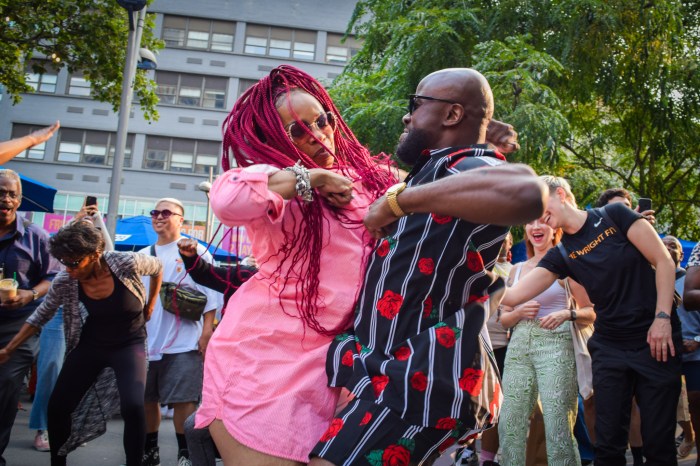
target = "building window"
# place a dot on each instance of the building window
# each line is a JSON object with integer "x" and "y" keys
{"x": 195, "y": 33}
{"x": 280, "y": 42}
{"x": 33, "y": 153}
{"x": 91, "y": 147}
{"x": 245, "y": 84}
{"x": 191, "y": 90}
{"x": 41, "y": 79}
{"x": 339, "y": 52}
{"x": 78, "y": 85}
{"x": 181, "y": 155}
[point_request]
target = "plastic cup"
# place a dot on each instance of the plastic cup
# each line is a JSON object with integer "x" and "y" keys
{"x": 8, "y": 289}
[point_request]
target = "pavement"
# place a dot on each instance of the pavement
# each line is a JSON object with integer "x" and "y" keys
{"x": 107, "y": 450}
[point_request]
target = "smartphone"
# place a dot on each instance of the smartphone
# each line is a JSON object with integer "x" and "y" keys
{"x": 90, "y": 200}
{"x": 644, "y": 204}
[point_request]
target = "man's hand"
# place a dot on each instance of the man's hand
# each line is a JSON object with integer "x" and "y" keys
{"x": 379, "y": 217}
{"x": 660, "y": 341}
{"x": 503, "y": 136}
{"x": 44, "y": 134}
{"x": 690, "y": 346}
{"x": 204, "y": 341}
{"x": 4, "y": 356}
{"x": 187, "y": 247}
{"x": 21, "y": 299}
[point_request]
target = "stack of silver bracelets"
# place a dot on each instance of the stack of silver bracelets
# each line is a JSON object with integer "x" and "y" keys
{"x": 303, "y": 184}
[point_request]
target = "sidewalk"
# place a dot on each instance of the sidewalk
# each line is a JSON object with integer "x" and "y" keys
{"x": 106, "y": 450}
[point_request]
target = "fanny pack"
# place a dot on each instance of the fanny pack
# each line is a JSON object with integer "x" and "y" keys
{"x": 186, "y": 303}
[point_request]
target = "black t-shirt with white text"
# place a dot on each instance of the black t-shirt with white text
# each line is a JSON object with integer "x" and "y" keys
{"x": 617, "y": 277}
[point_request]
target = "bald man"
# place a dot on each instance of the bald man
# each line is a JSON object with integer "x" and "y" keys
{"x": 418, "y": 360}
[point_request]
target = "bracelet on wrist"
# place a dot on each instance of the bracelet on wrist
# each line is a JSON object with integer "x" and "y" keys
{"x": 303, "y": 181}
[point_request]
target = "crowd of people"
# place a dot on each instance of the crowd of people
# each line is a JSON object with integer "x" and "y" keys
{"x": 382, "y": 323}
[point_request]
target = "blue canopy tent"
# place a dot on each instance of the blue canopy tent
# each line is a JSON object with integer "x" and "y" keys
{"x": 136, "y": 233}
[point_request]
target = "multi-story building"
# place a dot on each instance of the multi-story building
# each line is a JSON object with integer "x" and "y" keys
{"x": 215, "y": 50}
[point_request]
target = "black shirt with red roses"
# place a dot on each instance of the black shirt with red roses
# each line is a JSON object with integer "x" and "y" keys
{"x": 418, "y": 344}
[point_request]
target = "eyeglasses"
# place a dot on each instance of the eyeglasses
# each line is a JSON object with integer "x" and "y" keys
{"x": 413, "y": 97}
{"x": 71, "y": 264}
{"x": 11, "y": 194}
{"x": 165, "y": 213}
{"x": 295, "y": 131}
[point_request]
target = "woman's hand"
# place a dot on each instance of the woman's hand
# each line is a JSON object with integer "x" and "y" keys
{"x": 528, "y": 310}
{"x": 335, "y": 188}
{"x": 187, "y": 247}
{"x": 555, "y": 319}
{"x": 86, "y": 213}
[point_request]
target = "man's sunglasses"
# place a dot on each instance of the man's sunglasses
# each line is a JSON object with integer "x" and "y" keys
{"x": 413, "y": 97}
{"x": 165, "y": 213}
{"x": 71, "y": 264}
{"x": 296, "y": 131}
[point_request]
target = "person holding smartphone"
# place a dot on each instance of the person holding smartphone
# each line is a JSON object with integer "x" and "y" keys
{"x": 635, "y": 350}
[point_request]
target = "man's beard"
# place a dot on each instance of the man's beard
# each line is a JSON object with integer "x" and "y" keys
{"x": 410, "y": 149}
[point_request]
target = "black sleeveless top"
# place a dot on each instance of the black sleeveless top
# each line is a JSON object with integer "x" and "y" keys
{"x": 115, "y": 320}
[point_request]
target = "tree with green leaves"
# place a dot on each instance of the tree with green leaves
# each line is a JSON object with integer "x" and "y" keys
{"x": 606, "y": 93}
{"x": 87, "y": 36}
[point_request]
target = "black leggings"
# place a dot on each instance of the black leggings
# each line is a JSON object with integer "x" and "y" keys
{"x": 80, "y": 369}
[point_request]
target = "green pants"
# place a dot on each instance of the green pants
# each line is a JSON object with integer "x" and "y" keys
{"x": 539, "y": 362}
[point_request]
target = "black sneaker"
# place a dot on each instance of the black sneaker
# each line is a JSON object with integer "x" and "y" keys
{"x": 151, "y": 457}
{"x": 183, "y": 458}
{"x": 490, "y": 463}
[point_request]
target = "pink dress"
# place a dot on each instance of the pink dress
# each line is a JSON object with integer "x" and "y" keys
{"x": 264, "y": 372}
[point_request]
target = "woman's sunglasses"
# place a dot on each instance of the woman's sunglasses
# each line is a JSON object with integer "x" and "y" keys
{"x": 71, "y": 264}
{"x": 295, "y": 131}
{"x": 165, "y": 213}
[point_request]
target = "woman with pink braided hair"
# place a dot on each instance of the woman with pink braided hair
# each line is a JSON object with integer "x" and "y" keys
{"x": 302, "y": 185}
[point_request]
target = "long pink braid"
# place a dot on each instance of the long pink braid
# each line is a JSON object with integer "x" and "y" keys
{"x": 253, "y": 133}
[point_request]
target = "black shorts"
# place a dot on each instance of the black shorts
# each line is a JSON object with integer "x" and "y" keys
{"x": 366, "y": 433}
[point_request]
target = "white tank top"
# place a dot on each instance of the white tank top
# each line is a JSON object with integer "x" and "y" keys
{"x": 551, "y": 300}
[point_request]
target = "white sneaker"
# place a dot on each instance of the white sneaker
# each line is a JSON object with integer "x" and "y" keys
{"x": 41, "y": 441}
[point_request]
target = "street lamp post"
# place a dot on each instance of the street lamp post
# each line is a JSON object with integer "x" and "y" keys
{"x": 132, "y": 54}
{"x": 205, "y": 186}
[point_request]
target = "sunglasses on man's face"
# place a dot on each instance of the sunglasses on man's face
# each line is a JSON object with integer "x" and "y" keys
{"x": 295, "y": 131}
{"x": 412, "y": 98}
{"x": 165, "y": 213}
{"x": 71, "y": 264}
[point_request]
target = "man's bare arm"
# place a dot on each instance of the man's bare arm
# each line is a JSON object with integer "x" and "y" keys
{"x": 508, "y": 194}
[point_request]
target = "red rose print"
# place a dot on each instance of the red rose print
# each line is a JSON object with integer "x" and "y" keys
{"x": 383, "y": 248}
{"x": 427, "y": 307}
{"x": 441, "y": 219}
{"x": 396, "y": 455}
{"x": 474, "y": 261}
{"x": 358, "y": 347}
{"x": 389, "y": 304}
{"x": 379, "y": 382}
{"x": 333, "y": 429}
{"x": 471, "y": 381}
{"x": 447, "y": 444}
{"x": 445, "y": 336}
{"x": 475, "y": 298}
{"x": 426, "y": 265}
{"x": 419, "y": 381}
{"x": 347, "y": 359}
{"x": 365, "y": 420}
{"x": 402, "y": 353}
{"x": 446, "y": 423}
